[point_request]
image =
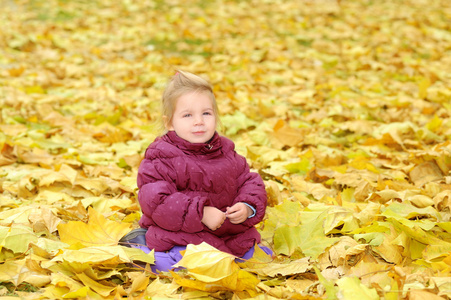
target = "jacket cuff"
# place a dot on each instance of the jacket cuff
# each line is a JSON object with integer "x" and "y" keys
{"x": 253, "y": 209}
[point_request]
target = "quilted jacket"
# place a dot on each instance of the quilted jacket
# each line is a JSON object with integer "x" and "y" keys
{"x": 177, "y": 179}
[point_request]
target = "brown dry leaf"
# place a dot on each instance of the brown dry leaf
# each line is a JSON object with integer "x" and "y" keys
{"x": 389, "y": 250}
{"x": 107, "y": 133}
{"x": 377, "y": 272}
{"x": 7, "y": 156}
{"x": 37, "y": 156}
{"x": 345, "y": 252}
{"x": 45, "y": 219}
{"x": 50, "y": 178}
{"x": 287, "y": 135}
{"x": 96, "y": 186}
{"x": 318, "y": 191}
{"x": 425, "y": 172}
{"x": 442, "y": 200}
{"x": 423, "y": 294}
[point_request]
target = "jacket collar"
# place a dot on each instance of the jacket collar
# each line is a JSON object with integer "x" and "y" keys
{"x": 213, "y": 146}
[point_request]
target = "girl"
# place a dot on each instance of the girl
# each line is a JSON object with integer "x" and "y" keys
{"x": 193, "y": 186}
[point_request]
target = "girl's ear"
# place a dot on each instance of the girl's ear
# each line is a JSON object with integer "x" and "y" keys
{"x": 167, "y": 123}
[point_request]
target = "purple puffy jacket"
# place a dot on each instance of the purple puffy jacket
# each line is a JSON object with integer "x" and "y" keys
{"x": 177, "y": 179}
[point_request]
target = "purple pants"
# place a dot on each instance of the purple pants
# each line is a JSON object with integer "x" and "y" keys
{"x": 165, "y": 260}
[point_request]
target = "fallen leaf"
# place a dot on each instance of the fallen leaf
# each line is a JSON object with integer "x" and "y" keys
{"x": 425, "y": 172}
{"x": 99, "y": 231}
{"x": 17, "y": 238}
{"x": 352, "y": 288}
{"x": 206, "y": 263}
{"x": 273, "y": 269}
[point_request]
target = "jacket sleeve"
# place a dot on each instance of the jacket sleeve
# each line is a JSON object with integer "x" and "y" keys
{"x": 161, "y": 201}
{"x": 251, "y": 190}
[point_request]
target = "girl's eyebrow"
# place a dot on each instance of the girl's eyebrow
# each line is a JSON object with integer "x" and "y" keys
{"x": 189, "y": 110}
{"x": 185, "y": 111}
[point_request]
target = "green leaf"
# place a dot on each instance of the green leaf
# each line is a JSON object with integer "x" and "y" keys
{"x": 301, "y": 167}
{"x": 17, "y": 238}
{"x": 286, "y": 213}
{"x": 236, "y": 122}
{"x": 314, "y": 241}
{"x": 352, "y": 289}
{"x": 435, "y": 248}
{"x": 287, "y": 239}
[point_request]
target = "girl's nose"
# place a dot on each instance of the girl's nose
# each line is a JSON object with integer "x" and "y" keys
{"x": 199, "y": 120}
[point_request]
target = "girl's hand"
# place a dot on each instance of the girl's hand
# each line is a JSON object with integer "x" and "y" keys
{"x": 238, "y": 213}
{"x": 213, "y": 217}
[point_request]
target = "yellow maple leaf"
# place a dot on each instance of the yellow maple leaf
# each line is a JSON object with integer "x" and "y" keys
{"x": 96, "y": 286}
{"x": 238, "y": 281}
{"x": 287, "y": 135}
{"x": 206, "y": 263}
{"x": 109, "y": 255}
{"x": 159, "y": 288}
{"x": 99, "y": 231}
{"x": 139, "y": 283}
{"x": 272, "y": 269}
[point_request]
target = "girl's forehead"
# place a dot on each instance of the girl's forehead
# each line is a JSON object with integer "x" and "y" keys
{"x": 195, "y": 99}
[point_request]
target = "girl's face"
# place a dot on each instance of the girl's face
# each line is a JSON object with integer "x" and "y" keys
{"x": 194, "y": 118}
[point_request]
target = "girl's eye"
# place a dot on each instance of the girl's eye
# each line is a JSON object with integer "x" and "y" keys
{"x": 207, "y": 113}
{"x": 186, "y": 115}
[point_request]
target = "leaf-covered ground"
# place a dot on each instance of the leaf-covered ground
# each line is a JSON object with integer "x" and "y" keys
{"x": 343, "y": 107}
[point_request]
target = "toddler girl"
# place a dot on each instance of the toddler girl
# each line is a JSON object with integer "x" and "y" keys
{"x": 193, "y": 186}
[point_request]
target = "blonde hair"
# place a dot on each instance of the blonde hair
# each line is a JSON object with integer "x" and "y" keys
{"x": 180, "y": 84}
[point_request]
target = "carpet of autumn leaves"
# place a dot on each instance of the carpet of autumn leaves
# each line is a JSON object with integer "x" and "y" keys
{"x": 343, "y": 107}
